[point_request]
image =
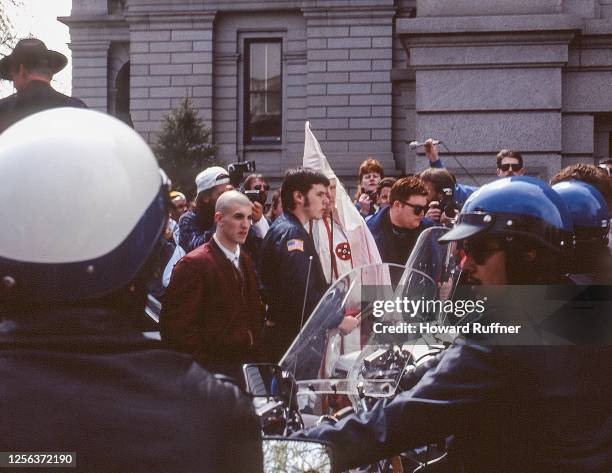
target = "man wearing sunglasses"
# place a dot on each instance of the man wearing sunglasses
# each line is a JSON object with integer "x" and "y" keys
{"x": 397, "y": 227}
{"x": 257, "y": 182}
{"x": 509, "y": 163}
{"x": 509, "y": 407}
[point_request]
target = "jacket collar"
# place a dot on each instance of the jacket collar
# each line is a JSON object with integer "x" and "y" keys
{"x": 230, "y": 255}
{"x": 292, "y": 218}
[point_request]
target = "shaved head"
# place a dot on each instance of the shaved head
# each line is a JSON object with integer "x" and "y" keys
{"x": 231, "y": 199}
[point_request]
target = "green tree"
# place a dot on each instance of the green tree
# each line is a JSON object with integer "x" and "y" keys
{"x": 184, "y": 147}
{"x": 8, "y": 36}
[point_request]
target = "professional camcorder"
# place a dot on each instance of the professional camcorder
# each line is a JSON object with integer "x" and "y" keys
{"x": 237, "y": 170}
{"x": 256, "y": 196}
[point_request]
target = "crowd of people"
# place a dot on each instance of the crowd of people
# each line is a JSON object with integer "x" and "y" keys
{"x": 289, "y": 260}
{"x": 238, "y": 281}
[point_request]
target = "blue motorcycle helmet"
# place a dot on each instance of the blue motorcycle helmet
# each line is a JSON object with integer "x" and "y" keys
{"x": 588, "y": 209}
{"x": 517, "y": 206}
{"x": 84, "y": 206}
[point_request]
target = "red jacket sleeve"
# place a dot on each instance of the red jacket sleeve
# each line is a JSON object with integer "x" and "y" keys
{"x": 179, "y": 326}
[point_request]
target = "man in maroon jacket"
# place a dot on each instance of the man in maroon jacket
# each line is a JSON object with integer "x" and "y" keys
{"x": 212, "y": 308}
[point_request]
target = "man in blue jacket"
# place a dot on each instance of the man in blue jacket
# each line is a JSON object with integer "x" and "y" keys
{"x": 291, "y": 275}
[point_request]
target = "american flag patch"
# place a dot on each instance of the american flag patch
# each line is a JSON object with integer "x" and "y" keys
{"x": 295, "y": 245}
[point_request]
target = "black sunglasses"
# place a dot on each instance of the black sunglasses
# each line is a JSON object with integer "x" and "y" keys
{"x": 418, "y": 209}
{"x": 480, "y": 250}
{"x": 515, "y": 167}
{"x": 259, "y": 187}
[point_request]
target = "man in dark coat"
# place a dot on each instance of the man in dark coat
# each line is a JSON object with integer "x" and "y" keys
{"x": 290, "y": 270}
{"x": 396, "y": 228}
{"x": 212, "y": 309}
{"x": 31, "y": 67}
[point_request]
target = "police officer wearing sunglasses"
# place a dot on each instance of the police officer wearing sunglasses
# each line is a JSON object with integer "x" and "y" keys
{"x": 508, "y": 408}
{"x": 397, "y": 227}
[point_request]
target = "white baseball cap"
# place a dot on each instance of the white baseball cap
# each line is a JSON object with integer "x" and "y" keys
{"x": 211, "y": 177}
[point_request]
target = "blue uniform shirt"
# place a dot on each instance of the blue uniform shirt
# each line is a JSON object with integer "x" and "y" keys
{"x": 285, "y": 256}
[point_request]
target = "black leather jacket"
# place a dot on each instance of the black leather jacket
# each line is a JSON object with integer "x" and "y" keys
{"x": 80, "y": 380}
{"x": 514, "y": 409}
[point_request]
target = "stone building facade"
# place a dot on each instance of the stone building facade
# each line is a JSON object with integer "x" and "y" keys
{"x": 369, "y": 75}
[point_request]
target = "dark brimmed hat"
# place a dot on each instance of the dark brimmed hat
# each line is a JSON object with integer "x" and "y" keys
{"x": 32, "y": 52}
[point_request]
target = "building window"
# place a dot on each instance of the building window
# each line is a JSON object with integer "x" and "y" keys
{"x": 263, "y": 91}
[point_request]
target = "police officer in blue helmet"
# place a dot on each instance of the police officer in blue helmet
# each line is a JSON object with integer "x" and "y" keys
{"x": 84, "y": 206}
{"x": 505, "y": 408}
{"x": 592, "y": 263}
{"x": 524, "y": 217}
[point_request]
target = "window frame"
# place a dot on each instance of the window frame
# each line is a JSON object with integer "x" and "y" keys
{"x": 246, "y": 92}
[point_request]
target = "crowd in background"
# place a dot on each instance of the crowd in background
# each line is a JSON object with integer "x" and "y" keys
{"x": 394, "y": 210}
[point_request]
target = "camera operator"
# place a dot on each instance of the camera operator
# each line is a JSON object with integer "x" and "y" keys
{"x": 440, "y": 185}
{"x": 256, "y": 189}
{"x": 257, "y": 183}
{"x": 460, "y": 191}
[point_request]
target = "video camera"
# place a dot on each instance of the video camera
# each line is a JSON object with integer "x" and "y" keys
{"x": 236, "y": 171}
{"x": 447, "y": 202}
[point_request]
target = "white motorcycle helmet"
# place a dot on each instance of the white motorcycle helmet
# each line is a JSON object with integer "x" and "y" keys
{"x": 83, "y": 209}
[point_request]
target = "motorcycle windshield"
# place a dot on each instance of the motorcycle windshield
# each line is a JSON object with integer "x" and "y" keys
{"x": 341, "y": 350}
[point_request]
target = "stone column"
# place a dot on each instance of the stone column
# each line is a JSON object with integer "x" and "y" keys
{"x": 90, "y": 73}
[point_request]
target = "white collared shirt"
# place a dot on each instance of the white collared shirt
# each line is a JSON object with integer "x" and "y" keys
{"x": 234, "y": 257}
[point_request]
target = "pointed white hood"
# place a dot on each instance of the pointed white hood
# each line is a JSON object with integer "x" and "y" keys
{"x": 363, "y": 247}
